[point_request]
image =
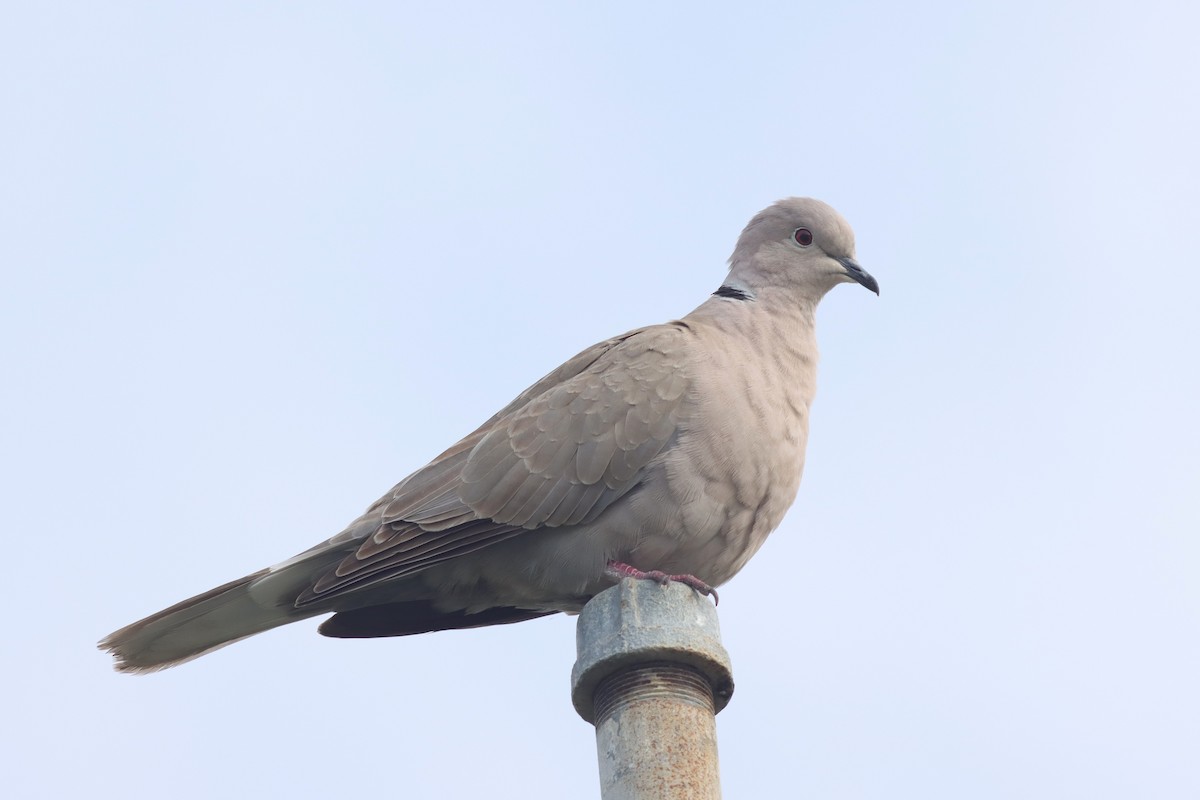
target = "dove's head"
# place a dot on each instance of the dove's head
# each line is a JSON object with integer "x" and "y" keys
{"x": 797, "y": 245}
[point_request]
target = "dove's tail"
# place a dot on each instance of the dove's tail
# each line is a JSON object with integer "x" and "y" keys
{"x": 220, "y": 616}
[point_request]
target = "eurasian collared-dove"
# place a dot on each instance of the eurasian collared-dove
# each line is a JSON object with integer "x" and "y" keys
{"x": 669, "y": 452}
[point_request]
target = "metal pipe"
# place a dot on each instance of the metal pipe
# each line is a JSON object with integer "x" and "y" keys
{"x": 651, "y": 675}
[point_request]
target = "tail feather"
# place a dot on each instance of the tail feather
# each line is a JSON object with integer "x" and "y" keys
{"x": 208, "y": 621}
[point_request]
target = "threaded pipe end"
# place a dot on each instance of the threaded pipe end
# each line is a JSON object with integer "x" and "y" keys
{"x": 656, "y": 680}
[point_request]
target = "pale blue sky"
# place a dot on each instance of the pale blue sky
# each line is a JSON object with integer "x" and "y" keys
{"x": 263, "y": 260}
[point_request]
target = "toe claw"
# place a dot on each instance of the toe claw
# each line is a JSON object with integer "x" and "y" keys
{"x": 619, "y": 570}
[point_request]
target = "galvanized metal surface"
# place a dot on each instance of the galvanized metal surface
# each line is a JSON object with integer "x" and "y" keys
{"x": 651, "y": 674}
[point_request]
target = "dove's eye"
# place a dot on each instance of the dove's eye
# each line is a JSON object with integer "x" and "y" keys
{"x": 803, "y": 236}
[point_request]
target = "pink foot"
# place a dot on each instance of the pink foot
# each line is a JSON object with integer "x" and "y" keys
{"x": 618, "y": 570}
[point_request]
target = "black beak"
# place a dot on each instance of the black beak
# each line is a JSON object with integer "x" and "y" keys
{"x": 859, "y": 274}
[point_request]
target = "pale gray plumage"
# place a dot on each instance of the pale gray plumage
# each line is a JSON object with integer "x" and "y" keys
{"x": 676, "y": 447}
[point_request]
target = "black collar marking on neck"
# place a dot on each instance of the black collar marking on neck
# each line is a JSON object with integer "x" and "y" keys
{"x": 733, "y": 293}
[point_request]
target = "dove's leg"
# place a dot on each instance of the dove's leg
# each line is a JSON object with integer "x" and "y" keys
{"x": 618, "y": 570}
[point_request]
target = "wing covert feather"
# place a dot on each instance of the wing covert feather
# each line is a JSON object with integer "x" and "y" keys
{"x": 586, "y": 439}
{"x": 558, "y": 454}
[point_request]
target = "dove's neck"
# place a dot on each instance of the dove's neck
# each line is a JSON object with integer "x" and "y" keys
{"x": 771, "y": 317}
{"x": 768, "y": 342}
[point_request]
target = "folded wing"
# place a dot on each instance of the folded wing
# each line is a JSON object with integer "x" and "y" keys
{"x": 559, "y": 454}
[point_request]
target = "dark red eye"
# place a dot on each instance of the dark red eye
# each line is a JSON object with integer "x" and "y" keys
{"x": 803, "y": 237}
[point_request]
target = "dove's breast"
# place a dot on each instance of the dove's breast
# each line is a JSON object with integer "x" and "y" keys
{"x": 736, "y": 465}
